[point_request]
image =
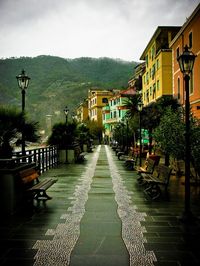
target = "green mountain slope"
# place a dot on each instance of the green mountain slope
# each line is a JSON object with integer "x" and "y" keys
{"x": 57, "y": 82}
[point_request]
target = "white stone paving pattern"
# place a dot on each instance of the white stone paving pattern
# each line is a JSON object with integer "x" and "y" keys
{"x": 132, "y": 231}
{"x": 57, "y": 252}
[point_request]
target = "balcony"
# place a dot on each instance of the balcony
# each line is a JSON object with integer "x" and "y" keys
{"x": 111, "y": 120}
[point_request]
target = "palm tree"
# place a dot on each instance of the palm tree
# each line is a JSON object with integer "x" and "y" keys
{"x": 132, "y": 115}
{"x": 12, "y": 124}
{"x": 131, "y": 104}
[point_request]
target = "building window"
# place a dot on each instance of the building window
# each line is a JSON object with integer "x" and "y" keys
{"x": 177, "y": 52}
{"x": 119, "y": 113}
{"x": 153, "y": 52}
{"x": 154, "y": 91}
{"x": 153, "y": 71}
{"x": 147, "y": 61}
{"x": 158, "y": 85}
{"x": 150, "y": 91}
{"x": 147, "y": 96}
{"x": 147, "y": 77}
{"x": 104, "y": 100}
{"x": 190, "y": 40}
{"x": 179, "y": 89}
{"x": 157, "y": 64}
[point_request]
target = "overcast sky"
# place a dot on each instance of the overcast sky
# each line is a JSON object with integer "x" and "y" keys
{"x": 92, "y": 28}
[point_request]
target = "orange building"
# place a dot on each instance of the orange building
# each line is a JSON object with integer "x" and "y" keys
{"x": 189, "y": 35}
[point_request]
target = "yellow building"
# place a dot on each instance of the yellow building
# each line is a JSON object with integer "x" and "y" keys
{"x": 96, "y": 100}
{"x": 157, "y": 77}
{"x": 82, "y": 111}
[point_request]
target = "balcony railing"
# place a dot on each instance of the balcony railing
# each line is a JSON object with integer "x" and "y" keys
{"x": 112, "y": 120}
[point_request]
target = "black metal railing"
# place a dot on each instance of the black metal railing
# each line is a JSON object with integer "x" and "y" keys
{"x": 44, "y": 157}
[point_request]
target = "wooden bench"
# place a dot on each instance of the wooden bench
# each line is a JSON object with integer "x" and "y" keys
{"x": 119, "y": 149}
{"x": 153, "y": 182}
{"x": 131, "y": 161}
{"x": 79, "y": 155}
{"x": 35, "y": 188}
{"x": 148, "y": 168}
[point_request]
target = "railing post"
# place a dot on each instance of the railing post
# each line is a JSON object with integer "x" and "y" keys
{"x": 39, "y": 160}
{"x": 42, "y": 159}
{"x": 50, "y": 157}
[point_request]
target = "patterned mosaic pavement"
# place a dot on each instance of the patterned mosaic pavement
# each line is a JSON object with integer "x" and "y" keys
{"x": 58, "y": 250}
{"x": 100, "y": 217}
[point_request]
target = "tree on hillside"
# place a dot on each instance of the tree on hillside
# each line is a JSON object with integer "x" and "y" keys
{"x": 56, "y": 80}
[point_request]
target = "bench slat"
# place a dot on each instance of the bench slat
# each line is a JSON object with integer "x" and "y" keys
{"x": 43, "y": 185}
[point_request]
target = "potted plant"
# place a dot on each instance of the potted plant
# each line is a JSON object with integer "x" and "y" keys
{"x": 63, "y": 135}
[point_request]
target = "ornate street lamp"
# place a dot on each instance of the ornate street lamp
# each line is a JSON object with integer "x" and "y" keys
{"x": 186, "y": 63}
{"x": 140, "y": 106}
{"x": 127, "y": 135}
{"x": 66, "y": 111}
{"x": 23, "y": 81}
{"x": 74, "y": 116}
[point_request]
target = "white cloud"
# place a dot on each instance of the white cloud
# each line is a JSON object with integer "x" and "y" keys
{"x": 96, "y": 28}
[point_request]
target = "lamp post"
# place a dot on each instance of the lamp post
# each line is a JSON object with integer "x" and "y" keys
{"x": 140, "y": 106}
{"x": 66, "y": 111}
{"x": 23, "y": 81}
{"x": 127, "y": 136}
{"x": 74, "y": 116}
{"x": 122, "y": 133}
{"x": 186, "y": 63}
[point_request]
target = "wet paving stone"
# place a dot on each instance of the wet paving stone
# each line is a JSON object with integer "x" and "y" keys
{"x": 99, "y": 239}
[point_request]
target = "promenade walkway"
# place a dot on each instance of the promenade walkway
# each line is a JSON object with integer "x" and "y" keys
{"x": 99, "y": 216}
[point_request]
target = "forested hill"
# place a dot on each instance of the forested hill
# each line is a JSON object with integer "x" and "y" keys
{"x": 57, "y": 82}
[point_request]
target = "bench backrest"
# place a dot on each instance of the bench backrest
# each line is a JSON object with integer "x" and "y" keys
{"x": 156, "y": 158}
{"x": 28, "y": 175}
{"x": 150, "y": 165}
{"x": 77, "y": 150}
{"x": 164, "y": 173}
